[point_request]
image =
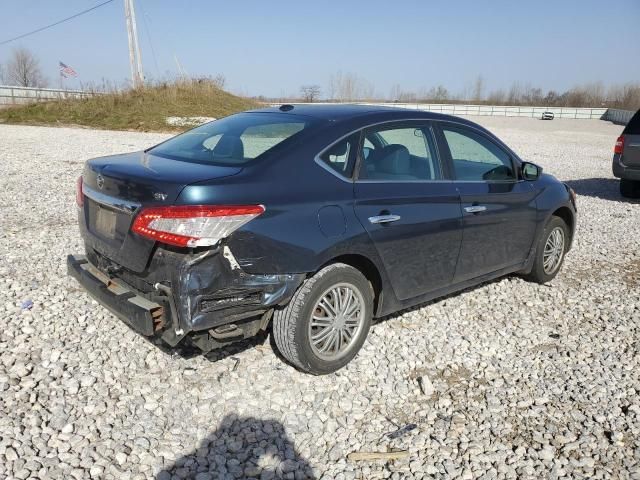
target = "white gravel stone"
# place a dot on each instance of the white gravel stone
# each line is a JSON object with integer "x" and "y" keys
{"x": 524, "y": 381}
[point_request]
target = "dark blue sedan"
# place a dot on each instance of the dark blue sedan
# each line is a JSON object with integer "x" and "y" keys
{"x": 310, "y": 221}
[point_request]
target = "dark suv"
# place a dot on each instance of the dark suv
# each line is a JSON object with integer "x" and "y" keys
{"x": 311, "y": 221}
{"x": 626, "y": 158}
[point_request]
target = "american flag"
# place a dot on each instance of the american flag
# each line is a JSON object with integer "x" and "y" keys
{"x": 66, "y": 71}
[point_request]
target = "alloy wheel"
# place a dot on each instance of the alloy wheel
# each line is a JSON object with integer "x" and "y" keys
{"x": 553, "y": 251}
{"x": 336, "y": 321}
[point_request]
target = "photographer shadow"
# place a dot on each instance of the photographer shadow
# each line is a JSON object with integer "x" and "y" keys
{"x": 242, "y": 447}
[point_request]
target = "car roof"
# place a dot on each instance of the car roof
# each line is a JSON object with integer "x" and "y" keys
{"x": 334, "y": 111}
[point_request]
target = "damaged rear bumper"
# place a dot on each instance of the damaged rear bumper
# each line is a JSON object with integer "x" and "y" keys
{"x": 136, "y": 311}
{"x": 182, "y": 293}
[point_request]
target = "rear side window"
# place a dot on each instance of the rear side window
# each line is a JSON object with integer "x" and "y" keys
{"x": 399, "y": 154}
{"x": 340, "y": 156}
{"x": 476, "y": 158}
{"x": 236, "y": 139}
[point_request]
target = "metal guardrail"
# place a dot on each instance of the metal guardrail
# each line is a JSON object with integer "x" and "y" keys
{"x": 496, "y": 110}
{"x": 621, "y": 117}
{"x": 502, "y": 111}
{"x": 493, "y": 110}
{"x": 10, "y": 95}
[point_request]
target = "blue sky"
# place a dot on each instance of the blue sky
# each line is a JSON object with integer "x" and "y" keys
{"x": 273, "y": 47}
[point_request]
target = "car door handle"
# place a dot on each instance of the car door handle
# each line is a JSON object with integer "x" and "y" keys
{"x": 475, "y": 209}
{"x": 384, "y": 218}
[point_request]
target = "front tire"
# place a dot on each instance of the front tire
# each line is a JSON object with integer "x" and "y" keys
{"x": 550, "y": 251}
{"x": 326, "y": 322}
{"x": 629, "y": 188}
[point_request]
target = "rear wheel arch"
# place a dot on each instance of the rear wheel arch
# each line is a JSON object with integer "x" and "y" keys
{"x": 368, "y": 268}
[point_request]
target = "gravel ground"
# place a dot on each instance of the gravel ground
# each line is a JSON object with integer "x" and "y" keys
{"x": 507, "y": 380}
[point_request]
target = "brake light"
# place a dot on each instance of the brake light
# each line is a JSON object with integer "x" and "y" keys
{"x": 193, "y": 225}
{"x": 79, "y": 192}
{"x": 619, "y": 147}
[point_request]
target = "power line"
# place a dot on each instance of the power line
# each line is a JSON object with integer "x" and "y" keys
{"x": 54, "y": 24}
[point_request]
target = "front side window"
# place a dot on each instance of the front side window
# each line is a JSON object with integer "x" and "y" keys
{"x": 234, "y": 140}
{"x": 476, "y": 158}
{"x": 399, "y": 154}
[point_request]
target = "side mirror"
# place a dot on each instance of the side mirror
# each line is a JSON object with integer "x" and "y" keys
{"x": 530, "y": 171}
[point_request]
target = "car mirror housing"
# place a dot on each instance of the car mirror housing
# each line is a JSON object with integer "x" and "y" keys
{"x": 530, "y": 171}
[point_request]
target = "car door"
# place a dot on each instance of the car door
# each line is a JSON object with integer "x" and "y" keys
{"x": 498, "y": 208}
{"x": 411, "y": 213}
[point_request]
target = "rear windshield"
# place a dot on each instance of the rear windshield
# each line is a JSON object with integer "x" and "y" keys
{"x": 633, "y": 127}
{"x": 234, "y": 140}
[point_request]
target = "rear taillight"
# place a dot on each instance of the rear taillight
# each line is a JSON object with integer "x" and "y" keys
{"x": 193, "y": 225}
{"x": 619, "y": 147}
{"x": 79, "y": 192}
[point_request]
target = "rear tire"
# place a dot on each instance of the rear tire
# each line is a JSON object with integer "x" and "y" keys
{"x": 630, "y": 188}
{"x": 326, "y": 322}
{"x": 550, "y": 251}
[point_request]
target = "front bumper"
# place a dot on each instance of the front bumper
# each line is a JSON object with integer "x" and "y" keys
{"x": 140, "y": 313}
{"x": 620, "y": 170}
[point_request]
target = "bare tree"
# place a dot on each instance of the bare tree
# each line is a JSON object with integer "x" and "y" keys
{"x": 395, "y": 93}
{"x": 365, "y": 89}
{"x": 332, "y": 88}
{"x": 2, "y": 74}
{"x": 310, "y": 93}
{"x": 624, "y": 96}
{"x": 349, "y": 86}
{"x": 437, "y": 94}
{"x": 23, "y": 69}
{"x": 515, "y": 94}
{"x": 478, "y": 89}
{"x": 408, "y": 97}
{"x": 346, "y": 86}
{"x": 497, "y": 97}
{"x": 551, "y": 98}
{"x": 219, "y": 81}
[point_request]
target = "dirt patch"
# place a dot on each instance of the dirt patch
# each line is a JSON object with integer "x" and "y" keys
{"x": 632, "y": 273}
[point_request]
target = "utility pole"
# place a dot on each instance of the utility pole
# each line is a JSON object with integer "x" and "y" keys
{"x": 135, "y": 60}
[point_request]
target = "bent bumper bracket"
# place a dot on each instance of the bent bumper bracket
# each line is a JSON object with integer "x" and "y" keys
{"x": 138, "y": 312}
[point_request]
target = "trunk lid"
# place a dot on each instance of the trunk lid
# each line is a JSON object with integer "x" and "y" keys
{"x": 116, "y": 188}
{"x": 139, "y": 176}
